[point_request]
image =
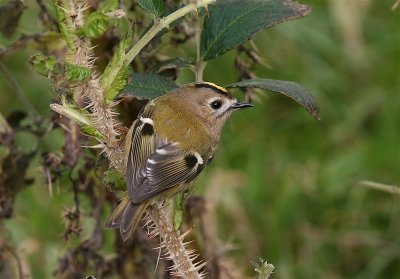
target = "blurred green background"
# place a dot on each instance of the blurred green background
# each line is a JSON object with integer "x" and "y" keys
{"x": 286, "y": 187}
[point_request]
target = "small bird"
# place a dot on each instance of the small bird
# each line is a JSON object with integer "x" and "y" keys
{"x": 167, "y": 147}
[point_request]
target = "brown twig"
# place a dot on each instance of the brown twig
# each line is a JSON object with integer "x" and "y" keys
{"x": 392, "y": 189}
{"x": 395, "y": 5}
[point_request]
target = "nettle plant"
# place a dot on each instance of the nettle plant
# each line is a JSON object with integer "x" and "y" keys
{"x": 116, "y": 56}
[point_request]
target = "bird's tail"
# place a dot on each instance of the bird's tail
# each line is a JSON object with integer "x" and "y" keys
{"x": 126, "y": 217}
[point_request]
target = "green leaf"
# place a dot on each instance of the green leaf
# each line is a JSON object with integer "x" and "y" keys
{"x": 95, "y": 25}
{"x": 64, "y": 23}
{"x": 153, "y": 7}
{"x": 263, "y": 268}
{"x": 232, "y": 23}
{"x": 45, "y": 66}
{"x": 119, "y": 83}
{"x": 79, "y": 116}
{"x": 76, "y": 73}
{"x": 148, "y": 86}
{"x": 290, "y": 89}
{"x": 10, "y": 13}
{"x": 91, "y": 131}
{"x": 178, "y": 210}
{"x": 114, "y": 180}
{"x": 115, "y": 76}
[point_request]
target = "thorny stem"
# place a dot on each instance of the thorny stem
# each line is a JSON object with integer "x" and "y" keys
{"x": 102, "y": 114}
{"x": 183, "y": 259}
{"x": 158, "y": 214}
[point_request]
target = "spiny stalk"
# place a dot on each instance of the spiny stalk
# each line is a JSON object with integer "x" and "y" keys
{"x": 91, "y": 92}
{"x": 159, "y": 216}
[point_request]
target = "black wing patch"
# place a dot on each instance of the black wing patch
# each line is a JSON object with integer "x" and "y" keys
{"x": 147, "y": 129}
{"x": 190, "y": 161}
{"x": 167, "y": 167}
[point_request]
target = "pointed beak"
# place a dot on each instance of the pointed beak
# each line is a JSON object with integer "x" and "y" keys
{"x": 241, "y": 105}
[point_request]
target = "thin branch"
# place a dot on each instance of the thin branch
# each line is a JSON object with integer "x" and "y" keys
{"x": 395, "y": 5}
{"x": 392, "y": 189}
{"x": 200, "y": 64}
{"x": 199, "y": 70}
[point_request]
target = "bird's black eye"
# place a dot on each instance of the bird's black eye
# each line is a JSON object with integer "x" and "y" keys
{"x": 216, "y": 104}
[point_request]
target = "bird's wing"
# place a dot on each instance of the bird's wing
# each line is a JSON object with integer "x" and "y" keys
{"x": 142, "y": 145}
{"x": 155, "y": 164}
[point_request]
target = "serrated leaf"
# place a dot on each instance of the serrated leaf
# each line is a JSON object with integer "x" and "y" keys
{"x": 119, "y": 83}
{"x": 44, "y": 65}
{"x": 115, "y": 76}
{"x": 76, "y": 73}
{"x": 95, "y": 25}
{"x": 73, "y": 113}
{"x": 79, "y": 116}
{"x": 10, "y": 13}
{"x": 91, "y": 131}
{"x": 114, "y": 180}
{"x": 263, "y": 268}
{"x": 231, "y": 23}
{"x": 97, "y": 22}
{"x": 153, "y": 7}
{"x": 148, "y": 86}
{"x": 290, "y": 89}
{"x": 64, "y": 23}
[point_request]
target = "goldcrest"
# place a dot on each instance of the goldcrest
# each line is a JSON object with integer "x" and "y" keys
{"x": 168, "y": 146}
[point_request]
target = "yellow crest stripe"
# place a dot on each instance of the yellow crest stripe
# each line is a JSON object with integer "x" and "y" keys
{"x": 216, "y": 86}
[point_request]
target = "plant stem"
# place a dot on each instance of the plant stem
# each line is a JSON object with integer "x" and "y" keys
{"x": 160, "y": 24}
{"x": 174, "y": 244}
{"x": 199, "y": 70}
{"x": 381, "y": 187}
{"x": 200, "y": 64}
